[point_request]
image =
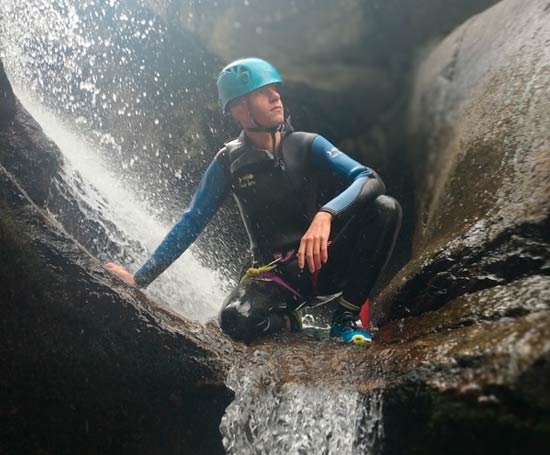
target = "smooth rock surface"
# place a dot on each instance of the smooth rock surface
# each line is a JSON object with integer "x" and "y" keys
{"x": 480, "y": 146}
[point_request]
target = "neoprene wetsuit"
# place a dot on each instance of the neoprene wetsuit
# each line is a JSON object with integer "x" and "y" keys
{"x": 278, "y": 196}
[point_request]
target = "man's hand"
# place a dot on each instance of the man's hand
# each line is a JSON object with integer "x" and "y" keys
{"x": 121, "y": 272}
{"x": 313, "y": 246}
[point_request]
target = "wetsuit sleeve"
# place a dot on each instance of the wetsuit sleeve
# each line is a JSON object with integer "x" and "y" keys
{"x": 210, "y": 194}
{"x": 362, "y": 184}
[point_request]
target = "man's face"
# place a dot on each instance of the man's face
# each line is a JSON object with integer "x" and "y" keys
{"x": 264, "y": 105}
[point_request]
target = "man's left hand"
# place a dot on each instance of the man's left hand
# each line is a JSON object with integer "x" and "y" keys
{"x": 314, "y": 244}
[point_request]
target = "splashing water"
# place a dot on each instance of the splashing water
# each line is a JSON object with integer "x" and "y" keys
{"x": 297, "y": 420}
{"x": 111, "y": 70}
{"x": 186, "y": 286}
{"x": 61, "y": 64}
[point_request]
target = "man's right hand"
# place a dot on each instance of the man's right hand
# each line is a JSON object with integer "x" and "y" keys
{"x": 121, "y": 272}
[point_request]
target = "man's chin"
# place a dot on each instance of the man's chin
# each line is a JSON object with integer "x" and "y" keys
{"x": 278, "y": 120}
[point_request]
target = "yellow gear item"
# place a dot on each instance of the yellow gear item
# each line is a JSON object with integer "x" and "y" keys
{"x": 254, "y": 272}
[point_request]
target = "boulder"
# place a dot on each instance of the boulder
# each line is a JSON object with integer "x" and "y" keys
{"x": 480, "y": 146}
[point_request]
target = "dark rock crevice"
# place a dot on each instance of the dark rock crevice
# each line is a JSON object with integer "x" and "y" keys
{"x": 431, "y": 283}
{"x": 488, "y": 421}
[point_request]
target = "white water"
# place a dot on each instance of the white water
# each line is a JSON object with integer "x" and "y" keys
{"x": 186, "y": 286}
{"x": 299, "y": 420}
{"x": 49, "y": 50}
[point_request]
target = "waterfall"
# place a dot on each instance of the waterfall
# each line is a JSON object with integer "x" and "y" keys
{"x": 52, "y": 56}
{"x": 296, "y": 419}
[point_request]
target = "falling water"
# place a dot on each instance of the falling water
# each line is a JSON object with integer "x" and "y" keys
{"x": 187, "y": 286}
{"x": 59, "y": 63}
{"x": 296, "y": 420}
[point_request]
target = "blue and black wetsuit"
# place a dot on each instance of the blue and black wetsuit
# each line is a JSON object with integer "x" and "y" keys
{"x": 278, "y": 196}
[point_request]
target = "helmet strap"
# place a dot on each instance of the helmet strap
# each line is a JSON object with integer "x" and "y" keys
{"x": 259, "y": 128}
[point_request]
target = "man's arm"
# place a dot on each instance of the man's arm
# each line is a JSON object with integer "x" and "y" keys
{"x": 210, "y": 194}
{"x": 362, "y": 185}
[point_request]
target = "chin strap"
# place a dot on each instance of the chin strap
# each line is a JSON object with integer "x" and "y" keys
{"x": 263, "y": 129}
{"x": 259, "y": 128}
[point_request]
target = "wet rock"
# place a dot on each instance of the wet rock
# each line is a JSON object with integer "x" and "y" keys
{"x": 7, "y": 100}
{"x": 477, "y": 124}
{"x": 471, "y": 376}
{"x": 89, "y": 365}
{"x": 24, "y": 149}
{"x": 345, "y": 43}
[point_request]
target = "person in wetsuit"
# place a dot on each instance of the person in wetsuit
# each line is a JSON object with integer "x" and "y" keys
{"x": 320, "y": 226}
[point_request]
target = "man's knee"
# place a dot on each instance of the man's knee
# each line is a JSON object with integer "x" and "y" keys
{"x": 238, "y": 321}
{"x": 389, "y": 210}
{"x": 254, "y": 309}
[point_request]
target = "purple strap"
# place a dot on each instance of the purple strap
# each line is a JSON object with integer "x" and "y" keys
{"x": 272, "y": 276}
{"x": 284, "y": 257}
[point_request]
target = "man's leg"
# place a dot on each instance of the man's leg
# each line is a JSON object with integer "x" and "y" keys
{"x": 255, "y": 309}
{"x": 359, "y": 252}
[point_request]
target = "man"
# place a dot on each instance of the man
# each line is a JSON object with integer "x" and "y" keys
{"x": 319, "y": 224}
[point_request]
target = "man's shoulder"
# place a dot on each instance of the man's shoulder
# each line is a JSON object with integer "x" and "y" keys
{"x": 299, "y": 139}
{"x": 230, "y": 149}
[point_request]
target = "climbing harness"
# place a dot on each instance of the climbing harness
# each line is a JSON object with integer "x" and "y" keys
{"x": 267, "y": 273}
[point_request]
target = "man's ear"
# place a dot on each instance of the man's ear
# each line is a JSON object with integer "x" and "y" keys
{"x": 239, "y": 111}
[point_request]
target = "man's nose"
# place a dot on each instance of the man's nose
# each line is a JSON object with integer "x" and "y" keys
{"x": 274, "y": 94}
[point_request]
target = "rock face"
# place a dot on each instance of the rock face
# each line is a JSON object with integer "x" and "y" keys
{"x": 344, "y": 43}
{"x": 477, "y": 289}
{"x": 88, "y": 365}
{"x": 478, "y": 121}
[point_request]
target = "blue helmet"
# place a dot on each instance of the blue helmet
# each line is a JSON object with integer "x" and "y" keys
{"x": 244, "y": 76}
